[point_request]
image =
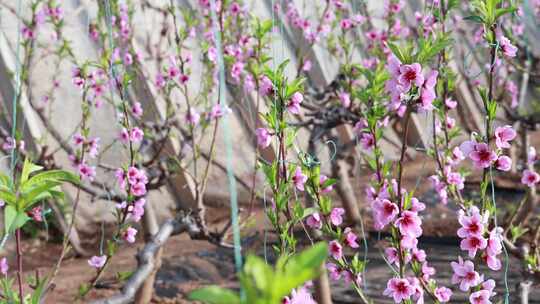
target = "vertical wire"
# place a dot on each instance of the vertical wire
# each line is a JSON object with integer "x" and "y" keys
{"x": 17, "y": 90}
{"x": 228, "y": 142}
{"x": 14, "y": 106}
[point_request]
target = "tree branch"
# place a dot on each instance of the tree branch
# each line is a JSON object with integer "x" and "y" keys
{"x": 146, "y": 258}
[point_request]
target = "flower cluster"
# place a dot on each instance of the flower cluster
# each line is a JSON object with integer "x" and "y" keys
{"x": 300, "y": 295}
{"x": 475, "y": 236}
{"x": 11, "y": 143}
{"x": 483, "y": 157}
{"x": 84, "y": 147}
{"x": 407, "y": 80}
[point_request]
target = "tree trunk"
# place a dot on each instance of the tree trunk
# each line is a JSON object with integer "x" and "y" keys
{"x": 151, "y": 227}
{"x": 345, "y": 191}
{"x": 323, "y": 295}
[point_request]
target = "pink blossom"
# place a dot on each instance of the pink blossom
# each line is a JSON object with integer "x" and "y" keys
{"x": 503, "y": 135}
{"x": 428, "y": 91}
{"x": 480, "y": 297}
{"x": 133, "y": 175}
{"x": 173, "y": 71}
{"x": 160, "y": 81}
{"x": 128, "y": 59}
{"x": 235, "y": 8}
{"x": 481, "y": 155}
{"x": 345, "y": 99}
{"x": 306, "y": 67}
{"x": 136, "y": 211}
{"x": 494, "y": 248}
{"x": 236, "y": 70}
{"x": 212, "y": 54}
{"x": 464, "y": 274}
{"x": 294, "y": 103}
{"x": 440, "y": 187}
{"x": 456, "y": 157}
{"x": 94, "y": 147}
{"x": 9, "y": 144}
{"x": 218, "y": 111}
{"x": 394, "y": 66}
{"x": 314, "y": 221}
{"x": 36, "y": 213}
{"x": 136, "y": 135}
{"x": 507, "y": 47}
{"x": 410, "y": 74}
{"x": 336, "y": 250}
{"x": 408, "y": 241}
{"x": 346, "y": 24}
{"x": 129, "y": 235}
{"x": 87, "y": 172}
{"x": 512, "y": 90}
{"x": 385, "y": 212}
{"x": 4, "y": 267}
{"x": 266, "y": 87}
{"x": 419, "y": 255}
{"x": 427, "y": 271}
{"x": 450, "y": 103}
{"x": 299, "y": 179}
{"x": 367, "y": 141}
{"x": 454, "y": 178}
{"x": 97, "y": 261}
{"x": 443, "y": 294}
{"x": 249, "y": 83}
{"x": 530, "y": 178}
{"x": 193, "y": 117}
{"x": 27, "y": 33}
{"x": 503, "y": 163}
{"x": 473, "y": 243}
{"x": 78, "y": 140}
{"x": 392, "y": 255}
{"x": 350, "y": 238}
{"x": 399, "y": 289}
{"x": 299, "y": 296}
{"x": 336, "y": 216}
{"x": 472, "y": 224}
{"x": 137, "y": 109}
{"x": 120, "y": 177}
{"x": 416, "y": 205}
{"x": 183, "y": 78}
{"x": 138, "y": 189}
{"x": 334, "y": 271}
{"x": 409, "y": 224}
{"x": 263, "y": 137}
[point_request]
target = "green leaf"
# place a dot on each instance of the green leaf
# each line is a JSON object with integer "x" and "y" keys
{"x": 503, "y": 11}
{"x": 397, "y": 52}
{"x": 50, "y": 176}
{"x": 13, "y": 219}
{"x": 42, "y": 191}
{"x": 474, "y": 18}
{"x": 215, "y": 295}
{"x": 28, "y": 168}
{"x": 258, "y": 273}
{"x": 5, "y": 180}
{"x": 8, "y": 197}
{"x": 329, "y": 182}
{"x": 299, "y": 269}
